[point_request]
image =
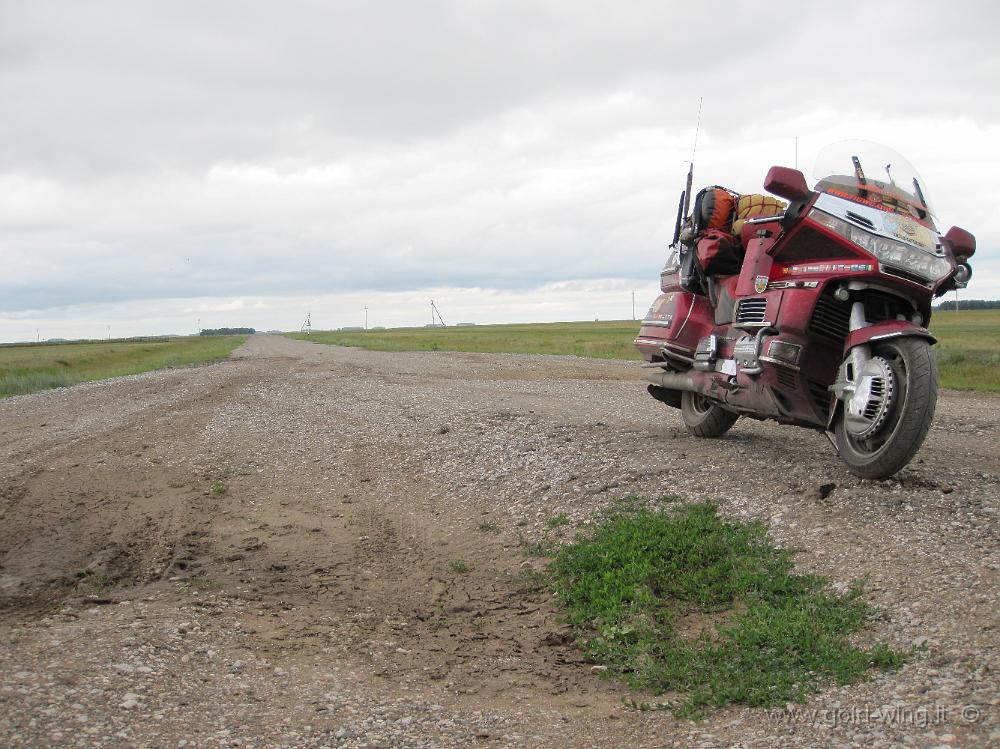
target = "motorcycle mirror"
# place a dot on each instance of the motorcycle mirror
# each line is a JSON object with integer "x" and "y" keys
{"x": 787, "y": 183}
{"x": 962, "y": 243}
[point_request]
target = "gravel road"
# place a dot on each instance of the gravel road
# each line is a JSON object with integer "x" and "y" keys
{"x": 265, "y": 552}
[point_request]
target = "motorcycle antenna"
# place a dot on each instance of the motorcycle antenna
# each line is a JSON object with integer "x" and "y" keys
{"x": 697, "y": 128}
{"x": 687, "y": 189}
{"x": 694, "y": 150}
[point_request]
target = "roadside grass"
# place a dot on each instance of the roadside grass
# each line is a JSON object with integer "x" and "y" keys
{"x": 683, "y": 603}
{"x": 968, "y": 353}
{"x": 28, "y": 368}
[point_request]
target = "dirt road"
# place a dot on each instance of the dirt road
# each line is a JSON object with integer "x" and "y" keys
{"x": 270, "y": 551}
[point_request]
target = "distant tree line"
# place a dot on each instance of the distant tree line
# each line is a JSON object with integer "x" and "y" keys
{"x": 227, "y": 331}
{"x": 970, "y": 304}
{"x": 77, "y": 341}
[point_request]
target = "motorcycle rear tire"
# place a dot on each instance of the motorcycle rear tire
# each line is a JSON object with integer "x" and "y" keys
{"x": 897, "y": 441}
{"x": 703, "y": 418}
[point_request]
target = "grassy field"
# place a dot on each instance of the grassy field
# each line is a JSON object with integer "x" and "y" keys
{"x": 968, "y": 352}
{"x": 27, "y": 368}
{"x": 600, "y": 340}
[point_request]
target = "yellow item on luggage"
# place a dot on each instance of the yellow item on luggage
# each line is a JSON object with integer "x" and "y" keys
{"x": 752, "y": 206}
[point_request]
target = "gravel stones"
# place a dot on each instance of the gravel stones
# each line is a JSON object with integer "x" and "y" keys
{"x": 311, "y": 603}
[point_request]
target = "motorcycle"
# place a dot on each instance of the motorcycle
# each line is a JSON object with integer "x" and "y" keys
{"x": 812, "y": 313}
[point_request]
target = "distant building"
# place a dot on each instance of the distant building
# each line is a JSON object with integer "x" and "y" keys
{"x": 465, "y": 324}
{"x": 352, "y": 329}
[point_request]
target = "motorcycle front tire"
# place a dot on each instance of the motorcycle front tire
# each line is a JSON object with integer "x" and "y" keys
{"x": 703, "y": 418}
{"x": 897, "y": 441}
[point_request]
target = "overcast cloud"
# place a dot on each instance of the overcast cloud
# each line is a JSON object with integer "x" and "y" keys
{"x": 165, "y": 165}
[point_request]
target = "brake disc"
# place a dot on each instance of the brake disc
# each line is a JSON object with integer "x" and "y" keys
{"x": 869, "y": 405}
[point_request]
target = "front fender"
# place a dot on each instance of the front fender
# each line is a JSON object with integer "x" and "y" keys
{"x": 880, "y": 331}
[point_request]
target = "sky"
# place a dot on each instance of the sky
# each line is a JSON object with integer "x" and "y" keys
{"x": 171, "y": 166}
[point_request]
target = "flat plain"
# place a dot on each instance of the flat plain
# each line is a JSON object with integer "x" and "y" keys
{"x": 968, "y": 349}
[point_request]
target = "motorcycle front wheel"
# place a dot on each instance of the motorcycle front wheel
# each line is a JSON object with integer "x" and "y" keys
{"x": 703, "y": 418}
{"x": 904, "y": 420}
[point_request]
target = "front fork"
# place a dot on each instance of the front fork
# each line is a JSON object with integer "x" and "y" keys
{"x": 853, "y": 364}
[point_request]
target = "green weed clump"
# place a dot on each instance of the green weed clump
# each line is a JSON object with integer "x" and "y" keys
{"x": 684, "y": 602}
{"x": 557, "y": 520}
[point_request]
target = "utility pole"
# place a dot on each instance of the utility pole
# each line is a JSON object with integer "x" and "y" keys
{"x": 436, "y": 311}
{"x": 366, "y": 317}
{"x": 633, "y": 305}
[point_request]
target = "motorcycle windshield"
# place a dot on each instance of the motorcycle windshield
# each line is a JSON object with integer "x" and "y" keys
{"x": 873, "y": 175}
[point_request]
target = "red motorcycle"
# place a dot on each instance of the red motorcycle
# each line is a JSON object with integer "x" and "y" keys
{"x": 812, "y": 313}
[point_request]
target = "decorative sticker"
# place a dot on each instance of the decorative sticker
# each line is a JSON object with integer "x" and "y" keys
{"x": 662, "y": 309}
{"x": 908, "y": 230}
{"x": 829, "y": 268}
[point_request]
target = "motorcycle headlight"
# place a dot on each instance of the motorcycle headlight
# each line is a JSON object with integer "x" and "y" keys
{"x": 890, "y": 253}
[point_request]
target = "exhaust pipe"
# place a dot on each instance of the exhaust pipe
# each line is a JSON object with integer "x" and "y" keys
{"x": 667, "y": 386}
{"x": 671, "y": 380}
